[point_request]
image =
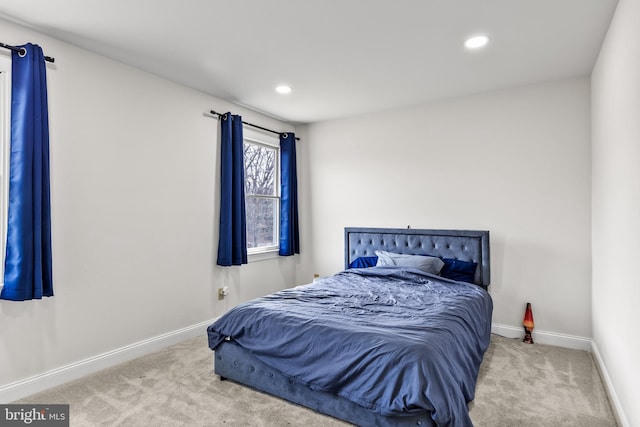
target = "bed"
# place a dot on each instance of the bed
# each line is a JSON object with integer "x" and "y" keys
{"x": 374, "y": 345}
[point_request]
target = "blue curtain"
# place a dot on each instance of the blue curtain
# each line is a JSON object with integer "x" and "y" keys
{"x": 232, "y": 246}
{"x": 27, "y": 273}
{"x": 289, "y": 235}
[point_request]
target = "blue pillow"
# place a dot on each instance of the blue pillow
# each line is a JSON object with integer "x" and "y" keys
{"x": 364, "y": 262}
{"x": 462, "y": 271}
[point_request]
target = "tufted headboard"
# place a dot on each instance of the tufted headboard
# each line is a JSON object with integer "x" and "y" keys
{"x": 465, "y": 245}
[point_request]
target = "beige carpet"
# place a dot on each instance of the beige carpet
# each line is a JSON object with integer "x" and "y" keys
{"x": 519, "y": 385}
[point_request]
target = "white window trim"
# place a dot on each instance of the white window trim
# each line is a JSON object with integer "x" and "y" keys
{"x": 5, "y": 137}
{"x": 270, "y": 140}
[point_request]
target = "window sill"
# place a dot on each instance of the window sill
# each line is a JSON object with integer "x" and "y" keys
{"x": 261, "y": 256}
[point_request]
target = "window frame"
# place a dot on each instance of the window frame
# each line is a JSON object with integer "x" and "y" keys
{"x": 5, "y": 138}
{"x": 253, "y": 136}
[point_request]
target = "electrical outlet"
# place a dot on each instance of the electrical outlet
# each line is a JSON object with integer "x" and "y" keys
{"x": 221, "y": 293}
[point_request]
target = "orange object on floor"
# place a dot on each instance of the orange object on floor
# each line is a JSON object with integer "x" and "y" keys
{"x": 528, "y": 325}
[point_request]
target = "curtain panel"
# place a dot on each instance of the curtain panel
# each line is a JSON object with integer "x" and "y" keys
{"x": 28, "y": 264}
{"x": 232, "y": 244}
{"x": 289, "y": 234}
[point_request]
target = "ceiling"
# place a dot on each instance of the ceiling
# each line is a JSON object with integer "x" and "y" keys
{"x": 341, "y": 57}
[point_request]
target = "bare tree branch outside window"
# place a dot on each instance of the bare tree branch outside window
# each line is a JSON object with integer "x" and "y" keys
{"x": 262, "y": 201}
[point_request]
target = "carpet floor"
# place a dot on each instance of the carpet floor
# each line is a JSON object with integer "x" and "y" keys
{"x": 519, "y": 385}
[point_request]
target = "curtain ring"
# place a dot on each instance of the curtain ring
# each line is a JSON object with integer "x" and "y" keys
{"x": 224, "y": 116}
{"x": 284, "y": 135}
{"x": 22, "y": 52}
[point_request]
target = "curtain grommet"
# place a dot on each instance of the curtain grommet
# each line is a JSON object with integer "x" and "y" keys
{"x": 22, "y": 53}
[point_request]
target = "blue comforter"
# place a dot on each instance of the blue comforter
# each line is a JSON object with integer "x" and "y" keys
{"x": 397, "y": 341}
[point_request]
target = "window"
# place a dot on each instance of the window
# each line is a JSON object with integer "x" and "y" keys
{"x": 262, "y": 191}
{"x": 5, "y": 136}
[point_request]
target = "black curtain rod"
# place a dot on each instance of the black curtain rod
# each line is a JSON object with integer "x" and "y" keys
{"x": 255, "y": 126}
{"x": 21, "y": 50}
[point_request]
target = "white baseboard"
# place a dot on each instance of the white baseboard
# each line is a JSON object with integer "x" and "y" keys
{"x": 37, "y": 383}
{"x": 544, "y": 337}
{"x": 621, "y": 418}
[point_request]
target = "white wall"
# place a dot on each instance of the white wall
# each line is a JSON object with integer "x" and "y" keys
{"x": 134, "y": 183}
{"x": 615, "y": 86}
{"x": 515, "y": 162}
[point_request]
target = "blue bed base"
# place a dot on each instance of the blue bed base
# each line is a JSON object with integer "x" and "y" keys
{"x": 234, "y": 363}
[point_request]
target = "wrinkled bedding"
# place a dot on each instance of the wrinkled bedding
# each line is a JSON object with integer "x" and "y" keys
{"x": 397, "y": 341}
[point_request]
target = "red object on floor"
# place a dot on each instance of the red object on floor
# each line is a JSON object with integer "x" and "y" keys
{"x": 528, "y": 325}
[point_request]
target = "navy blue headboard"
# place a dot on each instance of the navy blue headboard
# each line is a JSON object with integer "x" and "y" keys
{"x": 465, "y": 245}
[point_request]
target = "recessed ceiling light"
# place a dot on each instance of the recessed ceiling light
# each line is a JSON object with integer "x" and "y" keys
{"x": 283, "y": 89}
{"x": 476, "y": 42}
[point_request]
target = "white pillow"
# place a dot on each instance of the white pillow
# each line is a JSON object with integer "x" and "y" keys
{"x": 428, "y": 264}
